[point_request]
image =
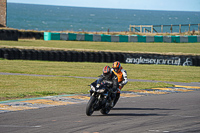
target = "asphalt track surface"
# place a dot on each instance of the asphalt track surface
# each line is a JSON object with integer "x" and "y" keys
{"x": 174, "y": 112}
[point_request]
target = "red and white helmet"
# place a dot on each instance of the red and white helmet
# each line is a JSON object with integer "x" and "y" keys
{"x": 106, "y": 71}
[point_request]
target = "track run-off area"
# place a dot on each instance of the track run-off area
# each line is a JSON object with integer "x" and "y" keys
{"x": 49, "y": 101}
{"x": 155, "y": 110}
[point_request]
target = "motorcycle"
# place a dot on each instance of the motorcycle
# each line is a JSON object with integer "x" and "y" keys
{"x": 101, "y": 98}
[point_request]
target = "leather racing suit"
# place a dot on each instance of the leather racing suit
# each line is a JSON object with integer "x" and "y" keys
{"x": 122, "y": 77}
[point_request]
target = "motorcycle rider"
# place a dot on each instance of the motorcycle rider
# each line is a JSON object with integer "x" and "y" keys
{"x": 122, "y": 76}
{"x": 108, "y": 75}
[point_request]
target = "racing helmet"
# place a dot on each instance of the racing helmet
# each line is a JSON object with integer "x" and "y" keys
{"x": 116, "y": 66}
{"x": 107, "y": 72}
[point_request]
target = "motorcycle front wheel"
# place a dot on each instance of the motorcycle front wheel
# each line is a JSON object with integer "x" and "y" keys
{"x": 106, "y": 109}
{"x": 90, "y": 106}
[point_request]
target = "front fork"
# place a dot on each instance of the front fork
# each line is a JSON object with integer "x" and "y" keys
{"x": 102, "y": 98}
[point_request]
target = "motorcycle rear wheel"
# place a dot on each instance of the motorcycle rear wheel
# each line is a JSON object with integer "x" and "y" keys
{"x": 90, "y": 106}
{"x": 116, "y": 99}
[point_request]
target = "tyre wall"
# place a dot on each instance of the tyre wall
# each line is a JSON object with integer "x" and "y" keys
{"x": 9, "y": 35}
{"x": 14, "y": 35}
{"x": 82, "y": 56}
{"x": 30, "y": 35}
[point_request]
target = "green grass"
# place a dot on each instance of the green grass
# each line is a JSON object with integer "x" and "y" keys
{"x": 164, "y": 48}
{"x": 30, "y": 86}
{"x": 12, "y": 87}
{"x": 85, "y": 69}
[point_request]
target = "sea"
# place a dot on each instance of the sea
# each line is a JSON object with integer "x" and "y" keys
{"x": 66, "y": 18}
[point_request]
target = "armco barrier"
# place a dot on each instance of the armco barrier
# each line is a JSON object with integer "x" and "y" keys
{"x": 72, "y": 36}
{"x": 184, "y": 39}
{"x": 192, "y": 39}
{"x": 75, "y": 56}
{"x": 105, "y": 38}
{"x": 175, "y": 39}
{"x": 133, "y": 38}
{"x": 115, "y": 38}
{"x": 150, "y": 39}
{"x": 88, "y": 37}
{"x": 55, "y": 36}
{"x": 123, "y": 38}
{"x": 167, "y": 39}
{"x": 158, "y": 38}
{"x": 119, "y": 38}
{"x": 47, "y": 36}
{"x": 15, "y": 34}
{"x": 96, "y": 38}
{"x": 141, "y": 38}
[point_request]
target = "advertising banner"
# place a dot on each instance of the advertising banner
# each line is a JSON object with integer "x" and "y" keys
{"x": 159, "y": 60}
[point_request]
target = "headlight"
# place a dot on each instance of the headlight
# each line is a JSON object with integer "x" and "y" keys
{"x": 92, "y": 88}
{"x": 100, "y": 90}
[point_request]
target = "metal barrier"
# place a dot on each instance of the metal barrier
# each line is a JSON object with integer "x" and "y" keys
{"x": 120, "y": 38}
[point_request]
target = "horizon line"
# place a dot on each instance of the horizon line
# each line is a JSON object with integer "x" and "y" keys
{"x": 103, "y": 7}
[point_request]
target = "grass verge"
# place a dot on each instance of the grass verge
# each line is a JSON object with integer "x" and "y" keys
{"x": 13, "y": 87}
{"x": 85, "y": 69}
{"x": 163, "y": 48}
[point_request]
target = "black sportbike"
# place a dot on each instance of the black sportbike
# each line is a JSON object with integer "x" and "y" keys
{"x": 101, "y": 98}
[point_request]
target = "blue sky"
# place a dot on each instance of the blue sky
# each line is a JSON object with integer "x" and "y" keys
{"x": 172, "y": 5}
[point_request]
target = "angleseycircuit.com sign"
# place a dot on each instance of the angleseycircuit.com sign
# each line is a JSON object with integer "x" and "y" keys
{"x": 160, "y": 60}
